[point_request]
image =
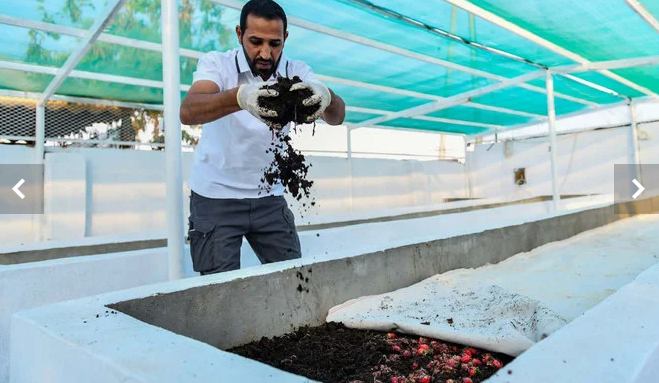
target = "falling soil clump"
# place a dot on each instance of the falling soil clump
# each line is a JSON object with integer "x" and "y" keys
{"x": 333, "y": 353}
{"x": 288, "y": 166}
{"x": 288, "y": 104}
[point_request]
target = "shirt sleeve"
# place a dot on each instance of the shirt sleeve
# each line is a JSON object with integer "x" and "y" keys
{"x": 209, "y": 68}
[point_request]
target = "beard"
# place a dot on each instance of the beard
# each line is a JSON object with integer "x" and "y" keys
{"x": 262, "y": 72}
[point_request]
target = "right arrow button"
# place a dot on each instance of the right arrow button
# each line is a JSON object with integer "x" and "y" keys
{"x": 640, "y": 187}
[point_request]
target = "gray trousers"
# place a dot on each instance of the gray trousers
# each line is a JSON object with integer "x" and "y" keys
{"x": 217, "y": 227}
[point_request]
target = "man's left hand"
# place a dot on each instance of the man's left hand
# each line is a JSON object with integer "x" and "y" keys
{"x": 321, "y": 96}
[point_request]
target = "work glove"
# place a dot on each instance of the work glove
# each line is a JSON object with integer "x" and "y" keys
{"x": 321, "y": 96}
{"x": 248, "y": 99}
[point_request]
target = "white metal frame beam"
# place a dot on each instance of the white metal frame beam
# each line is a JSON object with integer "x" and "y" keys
{"x": 80, "y": 33}
{"x": 452, "y": 101}
{"x": 402, "y": 52}
{"x": 426, "y": 118}
{"x": 139, "y": 44}
{"x": 503, "y": 23}
{"x": 81, "y": 100}
{"x": 552, "y": 141}
{"x": 87, "y": 41}
{"x": 85, "y": 75}
{"x": 644, "y": 13}
{"x": 634, "y": 155}
{"x": 171, "y": 76}
{"x": 613, "y": 64}
{"x": 425, "y": 96}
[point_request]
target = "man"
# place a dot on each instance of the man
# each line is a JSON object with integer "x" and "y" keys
{"x": 226, "y": 202}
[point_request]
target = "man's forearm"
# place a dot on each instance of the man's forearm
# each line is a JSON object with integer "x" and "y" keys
{"x": 200, "y": 108}
{"x": 335, "y": 113}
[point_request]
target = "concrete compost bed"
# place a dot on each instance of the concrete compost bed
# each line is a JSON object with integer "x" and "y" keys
{"x": 176, "y": 331}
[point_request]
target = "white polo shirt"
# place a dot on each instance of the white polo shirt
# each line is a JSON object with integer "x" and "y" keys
{"x": 230, "y": 159}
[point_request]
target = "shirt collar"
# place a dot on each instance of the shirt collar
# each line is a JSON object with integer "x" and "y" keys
{"x": 243, "y": 65}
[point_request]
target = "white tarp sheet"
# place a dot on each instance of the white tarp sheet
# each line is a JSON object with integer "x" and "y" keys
{"x": 512, "y": 305}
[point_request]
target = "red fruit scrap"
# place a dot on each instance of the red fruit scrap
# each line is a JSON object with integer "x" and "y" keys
{"x": 467, "y": 380}
{"x": 424, "y": 379}
{"x": 452, "y": 362}
{"x": 447, "y": 369}
{"x": 431, "y": 365}
{"x": 472, "y": 351}
{"x": 442, "y": 348}
{"x": 394, "y": 379}
{"x": 415, "y": 365}
{"x": 391, "y": 335}
{"x": 465, "y": 358}
{"x": 396, "y": 348}
{"x": 477, "y": 362}
{"x": 473, "y": 371}
{"x": 454, "y": 348}
{"x": 497, "y": 364}
{"x": 407, "y": 353}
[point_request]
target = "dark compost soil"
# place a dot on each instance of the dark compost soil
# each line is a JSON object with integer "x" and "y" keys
{"x": 287, "y": 104}
{"x": 288, "y": 166}
{"x": 332, "y": 353}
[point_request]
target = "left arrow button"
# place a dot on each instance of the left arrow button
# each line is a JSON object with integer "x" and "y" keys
{"x": 18, "y": 185}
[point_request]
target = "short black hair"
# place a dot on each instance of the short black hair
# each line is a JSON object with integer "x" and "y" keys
{"x": 267, "y": 9}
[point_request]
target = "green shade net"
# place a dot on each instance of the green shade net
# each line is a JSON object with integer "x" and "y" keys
{"x": 355, "y": 117}
{"x": 597, "y": 30}
{"x": 378, "y": 49}
{"x": 433, "y": 126}
{"x": 465, "y": 113}
{"x": 23, "y": 81}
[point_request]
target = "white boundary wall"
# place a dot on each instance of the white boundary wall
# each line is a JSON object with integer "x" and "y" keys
{"x": 99, "y": 192}
{"x": 585, "y": 163}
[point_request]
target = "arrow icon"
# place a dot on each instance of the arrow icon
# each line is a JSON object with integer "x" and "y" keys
{"x": 640, "y": 187}
{"x": 21, "y": 182}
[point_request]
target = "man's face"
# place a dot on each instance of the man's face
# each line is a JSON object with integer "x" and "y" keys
{"x": 263, "y": 41}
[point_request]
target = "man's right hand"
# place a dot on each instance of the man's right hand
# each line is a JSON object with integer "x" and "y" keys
{"x": 248, "y": 99}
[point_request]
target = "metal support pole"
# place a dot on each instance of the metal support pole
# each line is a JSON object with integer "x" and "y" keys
{"x": 552, "y": 140}
{"x": 467, "y": 170}
{"x": 40, "y": 133}
{"x": 172, "y": 102}
{"x": 349, "y": 141}
{"x": 39, "y": 153}
{"x": 634, "y": 157}
{"x": 350, "y": 180}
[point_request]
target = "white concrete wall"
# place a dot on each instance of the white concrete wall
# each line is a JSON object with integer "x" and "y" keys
{"x": 585, "y": 163}
{"x": 36, "y": 284}
{"x": 16, "y": 228}
{"x": 100, "y": 192}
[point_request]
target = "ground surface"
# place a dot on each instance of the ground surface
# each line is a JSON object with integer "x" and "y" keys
{"x": 332, "y": 353}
